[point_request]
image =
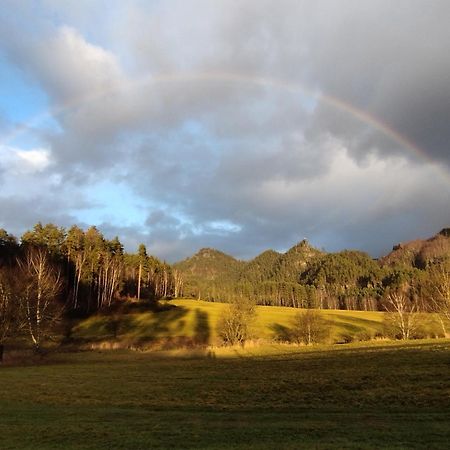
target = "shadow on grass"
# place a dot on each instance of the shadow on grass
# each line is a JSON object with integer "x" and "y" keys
{"x": 153, "y": 325}
{"x": 339, "y": 319}
{"x": 202, "y": 329}
{"x": 134, "y": 307}
{"x": 350, "y": 328}
{"x": 139, "y": 323}
{"x": 281, "y": 333}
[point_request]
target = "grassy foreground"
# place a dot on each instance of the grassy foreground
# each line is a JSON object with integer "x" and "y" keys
{"x": 197, "y": 320}
{"x": 378, "y": 395}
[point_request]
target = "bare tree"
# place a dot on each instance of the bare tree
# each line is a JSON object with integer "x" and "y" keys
{"x": 403, "y": 311}
{"x": 177, "y": 283}
{"x": 440, "y": 293}
{"x": 39, "y": 288}
{"x": 309, "y": 327}
{"x": 235, "y": 325}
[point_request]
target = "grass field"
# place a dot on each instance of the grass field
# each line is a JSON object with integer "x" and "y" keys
{"x": 197, "y": 320}
{"x": 377, "y": 395}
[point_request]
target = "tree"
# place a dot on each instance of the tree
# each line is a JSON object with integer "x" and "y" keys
{"x": 177, "y": 283}
{"x": 40, "y": 284}
{"x": 439, "y": 284}
{"x": 76, "y": 254}
{"x": 309, "y": 327}
{"x": 110, "y": 272}
{"x": 8, "y": 247}
{"x": 7, "y": 310}
{"x": 402, "y": 309}
{"x": 142, "y": 252}
{"x": 48, "y": 236}
{"x": 235, "y": 325}
{"x": 93, "y": 245}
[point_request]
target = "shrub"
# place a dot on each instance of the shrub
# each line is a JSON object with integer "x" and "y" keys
{"x": 235, "y": 325}
{"x": 309, "y": 327}
{"x": 363, "y": 336}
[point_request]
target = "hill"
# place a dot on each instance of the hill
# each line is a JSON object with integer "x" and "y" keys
{"x": 211, "y": 264}
{"x": 310, "y": 278}
{"x": 260, "y": 268}
{"x": 195, "y": 321}
{"x": 288, "y": 267}
{"x": 419, "y": 253}
{"x": 270, "y": 278}
{"x": 208, "y": 272}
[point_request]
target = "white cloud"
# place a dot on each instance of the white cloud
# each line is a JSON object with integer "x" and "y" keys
{"x": 35, "y": 160}
{"x": 73, "y": 69}
{"x": 15, "y": 161}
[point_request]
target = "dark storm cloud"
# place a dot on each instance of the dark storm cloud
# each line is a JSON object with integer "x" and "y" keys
{"x": 391, "y": 61}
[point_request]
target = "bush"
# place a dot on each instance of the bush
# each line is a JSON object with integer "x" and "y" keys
{"x": 309, "y": 327}
{"x": 235, "y": 325}
{"x": 363, "y": 336}
{"x": 345, "y": 338}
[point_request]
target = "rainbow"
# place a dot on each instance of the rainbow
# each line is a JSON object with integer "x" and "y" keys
{"x": 230, "y": 77}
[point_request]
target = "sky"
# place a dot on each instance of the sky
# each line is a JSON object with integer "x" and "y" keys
{"x": 241, "y": 125}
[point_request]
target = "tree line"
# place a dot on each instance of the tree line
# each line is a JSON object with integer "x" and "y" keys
{"x": 305, "y": 277}
{"x": 52, "y": 273}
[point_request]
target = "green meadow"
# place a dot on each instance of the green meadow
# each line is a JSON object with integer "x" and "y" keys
{"x": 196, "y": 321}
{"x": 356, "y": 396}
{"x": 188, "y": 393}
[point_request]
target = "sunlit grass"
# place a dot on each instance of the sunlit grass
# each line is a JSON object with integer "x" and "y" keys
{"x": 193, "y": 318}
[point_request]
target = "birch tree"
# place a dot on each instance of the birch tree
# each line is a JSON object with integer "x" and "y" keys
{"x": 440, "y": 293}
{"x": 75, "y": 247}
{"x": 177, "y": 283}
{"x": 403, "y": 311}
{"x": 39, "y": 288}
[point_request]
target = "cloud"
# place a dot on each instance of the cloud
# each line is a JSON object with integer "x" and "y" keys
{"x": 21, "y": 162}
{"x": 238, "y": 125}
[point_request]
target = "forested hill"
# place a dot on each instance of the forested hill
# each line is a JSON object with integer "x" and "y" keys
{"x": 93, "y": 272}
{"x": 307, "y": 277}
{"x": 294, "y": 261}
{"x": 210, "y": 264}
{"x": 212, "y": 267}
{"x": 261, "y": 268}
{"x": 419, "y": 253}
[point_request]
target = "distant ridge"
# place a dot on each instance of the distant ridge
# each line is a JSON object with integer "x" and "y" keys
{"x": 213, "y": 265}
{"x": 419, "y": 253}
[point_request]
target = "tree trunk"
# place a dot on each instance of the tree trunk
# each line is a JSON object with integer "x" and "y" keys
{"x": 139, "y": 282}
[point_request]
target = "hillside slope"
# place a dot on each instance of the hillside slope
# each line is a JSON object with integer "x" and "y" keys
{"x": 213, "y": 275}
{"x": 419, "y": 253}
{"x": 210, "y": 264}
{"x": 288, "y": 267}
{"x": 260, "y": 268}
{"x": 195, "y": 321}
{"x": 307, "y": 277}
